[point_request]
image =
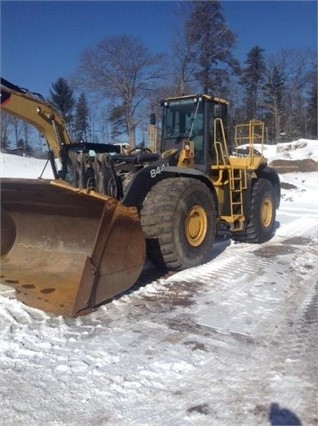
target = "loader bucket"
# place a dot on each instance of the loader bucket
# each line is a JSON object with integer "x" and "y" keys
{"x": 65, "y": 250}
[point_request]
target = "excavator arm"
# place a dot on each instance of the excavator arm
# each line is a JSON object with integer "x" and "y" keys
{"x": 33, "y": 109}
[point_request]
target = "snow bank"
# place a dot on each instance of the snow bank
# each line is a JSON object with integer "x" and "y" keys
{"x": 296, "y": 150}
{"x": 24, "y": 167}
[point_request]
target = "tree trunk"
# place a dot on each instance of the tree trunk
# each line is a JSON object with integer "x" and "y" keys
{"x": 131, "y": 130}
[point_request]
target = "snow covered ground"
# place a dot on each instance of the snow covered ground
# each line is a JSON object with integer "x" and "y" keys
{"x": 232, "y": 342}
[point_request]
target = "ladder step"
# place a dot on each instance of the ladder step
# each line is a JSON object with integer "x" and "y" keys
{"x": 237, "y": 227}
{"x": 237, "y": 185}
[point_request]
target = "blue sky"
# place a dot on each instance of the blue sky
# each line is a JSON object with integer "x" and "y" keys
{"x": 42, "y": 40}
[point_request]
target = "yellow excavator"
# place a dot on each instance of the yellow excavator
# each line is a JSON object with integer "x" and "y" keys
{"x": 71, "y": 243}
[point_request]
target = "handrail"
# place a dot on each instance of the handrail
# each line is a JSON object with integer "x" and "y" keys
{"x": 250, "y": 133}
{"x": 220, "y": 146}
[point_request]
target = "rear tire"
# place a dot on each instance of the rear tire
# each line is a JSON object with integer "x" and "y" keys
{"x": 179, "y": 222}
{"x": 261, "y": 225}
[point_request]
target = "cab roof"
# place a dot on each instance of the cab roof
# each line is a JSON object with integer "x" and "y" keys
{"x": 208, "y": 98}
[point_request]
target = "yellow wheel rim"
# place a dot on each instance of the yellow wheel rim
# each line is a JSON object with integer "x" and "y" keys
{"x": 267, "y": 212}
{"x": 196, "y": 226}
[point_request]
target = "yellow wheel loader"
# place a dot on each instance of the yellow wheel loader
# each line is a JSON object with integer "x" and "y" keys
{"x": 72, "y": 243}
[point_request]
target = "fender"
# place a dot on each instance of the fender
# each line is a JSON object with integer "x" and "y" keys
{"x": 264, "y": 172}
{"x": 272, "y": 175}
{"x": 147, "y": 177}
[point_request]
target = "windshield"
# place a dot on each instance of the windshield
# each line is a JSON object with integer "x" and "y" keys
{"x": 183, "y": 118}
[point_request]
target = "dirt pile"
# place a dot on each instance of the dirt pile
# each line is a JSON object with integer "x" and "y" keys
{"x": 291, "y": 166}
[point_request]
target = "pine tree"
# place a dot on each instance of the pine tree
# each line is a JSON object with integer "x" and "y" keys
{"x": 251, "y": 79}
{"x": 61, "y": 95}
{"x": 211, "y": 45}
{"x": 81, "y": 124}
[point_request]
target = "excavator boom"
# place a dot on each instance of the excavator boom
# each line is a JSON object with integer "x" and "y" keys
{"x": 33, "y": 109}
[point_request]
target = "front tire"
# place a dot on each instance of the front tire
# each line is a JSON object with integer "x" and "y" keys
{"x": 179, "y": 222}
{"x": 261, "y": 225}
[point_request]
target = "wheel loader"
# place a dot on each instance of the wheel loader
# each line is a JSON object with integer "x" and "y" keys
{"x": 71, "y": 243}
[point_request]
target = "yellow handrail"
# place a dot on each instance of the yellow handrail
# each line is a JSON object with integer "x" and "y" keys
{"x": 250, "y": 133}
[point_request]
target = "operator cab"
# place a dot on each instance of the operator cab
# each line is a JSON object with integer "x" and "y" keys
{"x": 192, "y": 118}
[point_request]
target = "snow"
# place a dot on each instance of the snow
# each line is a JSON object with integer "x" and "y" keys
{"x": 27, "y": 167}
{"x": 231, "y": 342}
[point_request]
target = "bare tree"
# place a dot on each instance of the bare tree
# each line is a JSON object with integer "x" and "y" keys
{"x": 122, "y": 69}
{"x": 16, "y": 133}
{"x": 312, "y": 107}
{"x": 274, "y": 91}
{"x": 289, "y": 107}
{"x": 4, "y": 126}
{"x": 103, "y": 125}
